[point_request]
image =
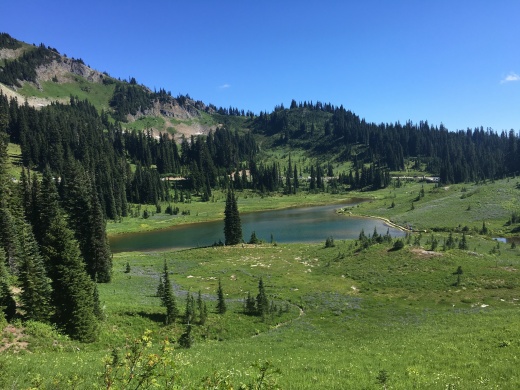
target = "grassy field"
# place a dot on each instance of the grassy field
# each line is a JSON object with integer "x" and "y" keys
{"x": 98, "y": 94}
{"x": 353, "y": 315}
{"x": 146, "y": 122}
{"x": 448, "y": 207}
{"x": 14, "y": 153}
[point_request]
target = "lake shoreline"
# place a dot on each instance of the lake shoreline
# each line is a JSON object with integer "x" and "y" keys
{"x": 310, "y": 224}
{"x": 147, "y": 227}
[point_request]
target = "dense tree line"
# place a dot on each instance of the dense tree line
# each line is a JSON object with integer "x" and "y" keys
{"x": 455, "y": 156}
{"x": 59, "y": 135}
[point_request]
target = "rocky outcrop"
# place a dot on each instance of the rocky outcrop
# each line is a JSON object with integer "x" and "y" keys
{"x": 60, "y": 71}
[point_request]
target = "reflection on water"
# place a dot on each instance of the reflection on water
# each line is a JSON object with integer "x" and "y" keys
{"x": 303, "y": 224}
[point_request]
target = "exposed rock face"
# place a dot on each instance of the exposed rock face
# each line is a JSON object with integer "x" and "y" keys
{"x": 62, "y": 68}
{"x": 10, "y": 54}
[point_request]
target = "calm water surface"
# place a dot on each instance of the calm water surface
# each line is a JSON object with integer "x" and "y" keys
{"x": 302, "y": 224}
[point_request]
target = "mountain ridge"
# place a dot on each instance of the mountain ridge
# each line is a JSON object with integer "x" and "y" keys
{"x": 55, "y": 74}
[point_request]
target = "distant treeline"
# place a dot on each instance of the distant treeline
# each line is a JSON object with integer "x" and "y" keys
{"x": 454, "y": 156}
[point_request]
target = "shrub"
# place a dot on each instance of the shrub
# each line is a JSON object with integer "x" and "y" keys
{"x": 398, "y": 244}
{"x": 329, "y": 242}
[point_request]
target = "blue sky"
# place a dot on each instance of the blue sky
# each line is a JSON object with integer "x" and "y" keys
{"x": 455, "y": 62}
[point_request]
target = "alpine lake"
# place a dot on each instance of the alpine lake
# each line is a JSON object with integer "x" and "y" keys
{"x": 301, "y": 224}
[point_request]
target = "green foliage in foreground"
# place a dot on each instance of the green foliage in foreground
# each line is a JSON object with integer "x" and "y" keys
{"x": 354, "y": 315}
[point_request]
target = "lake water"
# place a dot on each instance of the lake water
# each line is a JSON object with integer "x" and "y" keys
{"x": 302, "y": 224}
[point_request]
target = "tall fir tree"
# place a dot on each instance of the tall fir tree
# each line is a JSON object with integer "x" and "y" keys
{"x": 99, "y": 256}
{"x": 203, "y": 310}
{"x": 168, "y": 298}
{"x": 47, "y": 208}
{"x": 10, "y": 236}
{"x": 7, "y": 302}
{"x": 189, "y": 311}
{"x": 262, "y": 303}
{"x": 36, "y": 291}
{"x": 288, "y": 174}
{"x": 232, "y": 223}
{"x": 249, "y": 305}
{"x": 8, "y": 226}
{"x": 73, "y": 290}
{"x": 86, "y": 219}
{"x": 221, "y": 301}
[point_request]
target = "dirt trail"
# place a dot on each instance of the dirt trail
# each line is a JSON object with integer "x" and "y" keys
{"x": 12, "y": 339}
{"x": 302, "y": 313}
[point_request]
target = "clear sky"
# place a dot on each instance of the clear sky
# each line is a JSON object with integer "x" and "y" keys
{"x": 450, "y": 61}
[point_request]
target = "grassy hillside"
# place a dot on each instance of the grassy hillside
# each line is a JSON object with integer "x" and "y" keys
{"x": 354, "y": 316}
{"x": 98, "y": 94}
{"x": 452, "y": 207}
{"x": 15, "y": 158}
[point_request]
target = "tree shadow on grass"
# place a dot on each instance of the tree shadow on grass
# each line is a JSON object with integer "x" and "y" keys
{"x": 155, "y": 317}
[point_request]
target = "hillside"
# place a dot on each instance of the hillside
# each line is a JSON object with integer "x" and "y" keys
{"x": 41, "y": 75}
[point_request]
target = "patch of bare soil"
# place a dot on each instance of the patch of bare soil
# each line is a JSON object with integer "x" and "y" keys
{"x": 424, "y": 253}
{"x": 13, "y": 339}
{"x": 192, "y": 129}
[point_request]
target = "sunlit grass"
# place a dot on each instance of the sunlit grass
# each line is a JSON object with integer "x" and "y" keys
{"x": 97, "y": 93}
{"x": 352, "y": 313}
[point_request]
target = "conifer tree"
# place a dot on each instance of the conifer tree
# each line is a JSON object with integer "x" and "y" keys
{"x": 98, "y": 256}
{"x": 73, "y": 290}
{"x": 262, "y": 303}
{"x": 203, "y": 310}
{"x": 87, "y": 220}
{"x": 35, "y": 286}
{"x": 186, "y": 338}
{"x": 8, "y": 222}
{"x": 232, "y": 223}
{"x": 160, "y": 289}
{"x": 168, "y": 298}
{"x": 463, "y": 243}
{"x": 98, "y": 310}
{"x": 47, "y": 208}
{"x": 249, "y": 305}
{"x": 9, "y": 236}
{"x": 189, "y": 312}
{"x": 288, "y": 174}
{"x": 7, "y": 302}
{"x": 458, "y": 272}
{"x": 221, "y": 302}
{"x": 296, "y": 184}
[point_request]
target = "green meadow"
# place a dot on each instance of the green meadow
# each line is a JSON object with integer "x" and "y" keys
{"x": 97, "y": 93}
{"x": 349, "y": 316}
{"x": 449, "y": 207}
